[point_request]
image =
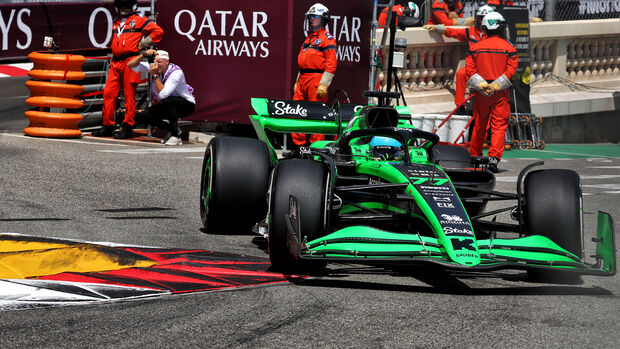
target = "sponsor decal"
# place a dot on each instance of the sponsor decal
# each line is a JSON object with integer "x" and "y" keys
{"x": 451, "y": 218}
{"x": 374, "y": 180}
{"x": 211, "y": 32}
{"x": 299, "y": 110}
{"x": 317, "y": 41}
{"x": 445, "y": 205}
{"x": 283, "y": 108}
{"x": 20, "y": 18}
{"x": 457, "y": 231}
{"x": 463, "y": 244}
{"x": 466, "y": 254}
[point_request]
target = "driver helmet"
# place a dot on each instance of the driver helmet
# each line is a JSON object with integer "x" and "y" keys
{"x": 493, "y": 24}
{"x": 317, "y": 10}
{"x": 385, "y": 148}
{"x": 132, "y": 5}
{"x": 481, "y": 12}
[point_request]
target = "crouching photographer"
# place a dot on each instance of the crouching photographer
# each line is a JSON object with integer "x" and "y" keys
{"x": 172, "y": 97}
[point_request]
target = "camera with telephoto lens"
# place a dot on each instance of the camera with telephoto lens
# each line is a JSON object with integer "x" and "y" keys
{"x": 149, "y": 58}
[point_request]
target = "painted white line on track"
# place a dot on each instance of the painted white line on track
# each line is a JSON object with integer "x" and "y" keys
{"x": 507, "y": 179}
{"x": 63, "y": 140}
{"x": 592, "y": 156}
{"x": 600, "y": 160}
{"x": 155, "y": 151}
{"x": 514, "y": 178}
{"x": 600, "y": 177}
{"x": 194, "y": 157}
{"x": 605, "y": 167}
{"x": 609, "y": 186}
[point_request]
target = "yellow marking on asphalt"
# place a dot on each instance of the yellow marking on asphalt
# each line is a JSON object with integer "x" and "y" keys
{"x": 30, "y": 259}
{"x": 16, "y": 245}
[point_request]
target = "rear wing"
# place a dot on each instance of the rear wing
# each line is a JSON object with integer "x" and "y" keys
{"x": 288, "y": 116}
{"x": 282, "y": 115}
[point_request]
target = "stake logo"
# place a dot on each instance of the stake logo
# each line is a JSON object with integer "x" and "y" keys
{"x": 283, "y": 108}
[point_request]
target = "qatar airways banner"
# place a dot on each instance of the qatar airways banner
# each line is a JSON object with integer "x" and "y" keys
{"x": 72, "y": 25}
{"x": 229, "y": 51}
{"x": 232, "y": 51}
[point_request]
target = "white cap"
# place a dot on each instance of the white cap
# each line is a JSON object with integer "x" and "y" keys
{"x": 161, "y": 54}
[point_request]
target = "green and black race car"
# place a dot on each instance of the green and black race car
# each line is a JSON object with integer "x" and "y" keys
{"x": 385, "y": 192}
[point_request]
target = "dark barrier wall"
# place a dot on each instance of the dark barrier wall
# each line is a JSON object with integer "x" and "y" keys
{"x": 230, "y": 51}
{"x": 238, "y": 50}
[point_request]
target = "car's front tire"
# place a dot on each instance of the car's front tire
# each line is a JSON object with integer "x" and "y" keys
{"x": 306, "y": 180}
{"x": 553, "y": 208}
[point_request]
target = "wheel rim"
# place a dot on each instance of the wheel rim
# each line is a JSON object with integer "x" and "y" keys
{"x": 206, "y": 192}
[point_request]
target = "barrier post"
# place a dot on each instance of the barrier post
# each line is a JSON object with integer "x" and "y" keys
{"x": 46, "y": 94}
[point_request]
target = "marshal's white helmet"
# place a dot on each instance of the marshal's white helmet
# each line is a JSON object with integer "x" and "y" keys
{"x": 412, "y": 10}
{"x": 318, "y": 9}
{"x": 481, "y": 12}
{"x": 493, "y": 23}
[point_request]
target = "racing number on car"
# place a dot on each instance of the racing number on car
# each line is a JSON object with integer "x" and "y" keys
{"x": 420, "y": 180}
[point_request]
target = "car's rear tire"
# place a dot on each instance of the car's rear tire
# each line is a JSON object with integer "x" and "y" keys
{"x": 234, "y": 183}
{"x": 553, "y": 208}
{"x": 306, "y": 180}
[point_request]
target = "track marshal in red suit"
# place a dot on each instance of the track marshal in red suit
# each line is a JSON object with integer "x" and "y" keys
{"x": 490, "y": 64}
{"x": 131, "y": 33}
{"x": 317, "y": 64}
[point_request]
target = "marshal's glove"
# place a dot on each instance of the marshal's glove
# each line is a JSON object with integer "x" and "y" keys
{"x": 491, "y": 89}
{"x": 453, "y": 15}
{"x": 321, "y": 91}
{"x": 482, "y": 85}
{"x": 470, "y": 21}
{"x": 440, "y": 28}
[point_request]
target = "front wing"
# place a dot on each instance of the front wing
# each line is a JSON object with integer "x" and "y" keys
{"x": 363, "y": 244}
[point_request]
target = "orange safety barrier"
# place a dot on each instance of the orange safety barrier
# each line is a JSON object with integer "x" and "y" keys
{"x": 47, "y": 94}
{"x": 49, "y": 66}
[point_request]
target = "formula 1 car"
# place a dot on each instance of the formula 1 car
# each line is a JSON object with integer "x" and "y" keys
{"x": 385, "y": 192}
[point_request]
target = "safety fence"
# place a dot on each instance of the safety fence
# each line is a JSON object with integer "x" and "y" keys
{"x": 559, "y": 10}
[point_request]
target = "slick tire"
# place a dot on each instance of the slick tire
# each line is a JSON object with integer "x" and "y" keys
{"x": 553, "y": 208}
{"x": 234, "y": 183}
{"x": 306, "y": 180}
{"x": 452, "y": 156}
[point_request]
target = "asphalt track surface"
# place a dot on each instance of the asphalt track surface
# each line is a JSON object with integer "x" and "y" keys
{"x": 146, "y": 194}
